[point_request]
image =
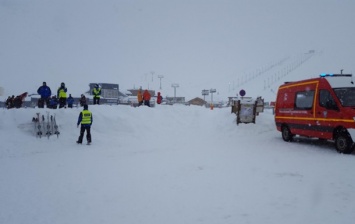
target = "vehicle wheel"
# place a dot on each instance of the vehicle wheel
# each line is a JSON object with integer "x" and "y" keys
{"x": 287, "y": 136}
{"x": 343, "y": 143}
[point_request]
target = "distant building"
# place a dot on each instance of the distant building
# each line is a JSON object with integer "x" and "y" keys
{"x": 197, "y": 101}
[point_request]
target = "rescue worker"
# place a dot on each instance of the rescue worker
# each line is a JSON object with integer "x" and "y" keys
{"x": 139, "y": 97}
{"x": 62, "y": 95}
{"x": 45, "y": 92}
{"x": 97, "y": 93}
{"x": 85, "y": 118}
{"x": 146, "y": 98}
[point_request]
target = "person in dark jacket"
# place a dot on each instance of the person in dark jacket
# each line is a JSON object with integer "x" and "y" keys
{"x": 18, "y": 102}
{"x": 10, "y": 102}
{"x": 70, "y": 101}
{"x": 85, "y": 118}
{"x": 53, "y": 102}
{"x": 82, "y": 100}
{"x": 45, "y": 92}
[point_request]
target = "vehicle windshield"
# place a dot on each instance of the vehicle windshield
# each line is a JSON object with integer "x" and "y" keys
{"x": 346, "y": 96}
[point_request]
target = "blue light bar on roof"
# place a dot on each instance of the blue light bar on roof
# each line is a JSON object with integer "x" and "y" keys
{"x": 325, "y": 75}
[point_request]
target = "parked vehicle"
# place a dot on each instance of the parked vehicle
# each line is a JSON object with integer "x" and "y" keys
{"x": 322, "y": 107}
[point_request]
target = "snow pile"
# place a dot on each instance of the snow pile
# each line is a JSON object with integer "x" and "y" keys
{"x": 169, "y": 164}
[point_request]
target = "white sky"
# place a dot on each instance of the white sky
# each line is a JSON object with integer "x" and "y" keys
{"x": 198, "y": 44}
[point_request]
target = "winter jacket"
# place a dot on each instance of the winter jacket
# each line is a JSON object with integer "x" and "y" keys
{"x": 44, "y": 91}
{"x": 139, "y": 96}
{"x": 82, "y": 101}
{"x": 159, "y": 98}
{"x": 53, "y": 102}
{"x": 70, "y": 100}
{"x": 18, "y": 102}
{"x": 146, "y": 95}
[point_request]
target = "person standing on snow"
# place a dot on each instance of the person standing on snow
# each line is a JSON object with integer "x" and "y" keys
{"x": 146, "y": 98}
{"x": 82, "y": 100}
{"x": 85, "y": 118}
{"x": 96, "y": 92}
{"x": 62, "y": 95}
{"x": 139, "y": 97}
{"x": 159, "y": 98}
{"x": 45, "y": 92}
{"x": 70, "y": 101}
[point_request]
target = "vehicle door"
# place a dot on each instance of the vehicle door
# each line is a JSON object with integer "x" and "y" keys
{"x": 304, "y": 112}
{"x": 327, "y": 113}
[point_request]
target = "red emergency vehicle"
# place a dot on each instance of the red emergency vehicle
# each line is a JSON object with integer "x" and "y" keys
{"x": 321, "y": 108}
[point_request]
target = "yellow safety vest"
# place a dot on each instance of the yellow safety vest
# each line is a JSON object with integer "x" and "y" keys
{"x": 62, "y": 94}
{"x": 96, "y": 92}
{"x": 86, "y": 117}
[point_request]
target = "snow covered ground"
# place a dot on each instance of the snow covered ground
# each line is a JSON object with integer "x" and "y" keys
{"x": 168, "y": 164}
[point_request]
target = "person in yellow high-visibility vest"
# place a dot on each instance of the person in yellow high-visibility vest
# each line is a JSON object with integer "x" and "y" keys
{"x": 85, "y": 118}
{"x": 97, "y": 93}
{"x": 62, "y": 95}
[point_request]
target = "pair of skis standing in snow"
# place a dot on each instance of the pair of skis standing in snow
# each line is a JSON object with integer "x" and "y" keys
{"x": 49, "y": 126}
{"x": 45, "y": 126}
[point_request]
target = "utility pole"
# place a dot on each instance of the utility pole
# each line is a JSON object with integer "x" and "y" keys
{"x": 152, "y": 72}
{"x": 160, "y": 77}
{"x": 175, "y": 85}
{"x": 212, "y": 91}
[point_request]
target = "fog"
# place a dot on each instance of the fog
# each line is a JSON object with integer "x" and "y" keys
{"x": 198, "y": 44}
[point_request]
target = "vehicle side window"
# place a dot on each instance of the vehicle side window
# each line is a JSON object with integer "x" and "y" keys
{"x": 304, "y": 100}
{"x": 346, "y": 96}
{"x": 325, "y": 98}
